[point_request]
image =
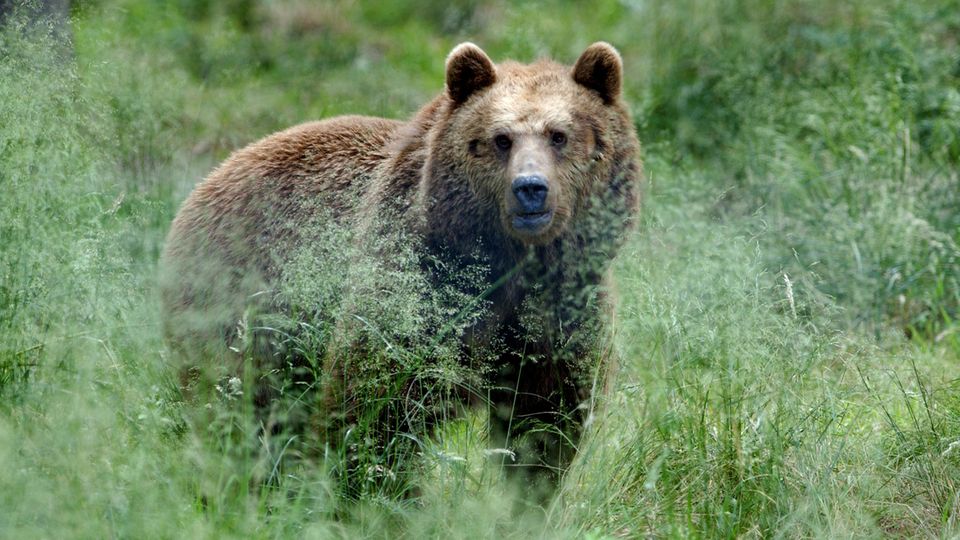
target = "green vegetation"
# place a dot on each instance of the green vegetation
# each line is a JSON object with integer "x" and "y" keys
{"x": 788, "y": 324}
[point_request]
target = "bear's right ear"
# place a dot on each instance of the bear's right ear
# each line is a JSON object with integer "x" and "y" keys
{"x": 601, "y": 70}
{"x": 468, "y": 69}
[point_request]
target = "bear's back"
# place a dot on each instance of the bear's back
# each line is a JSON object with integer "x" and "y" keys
{"x": 224, "y": 240}
{"x": 326, "y": 157}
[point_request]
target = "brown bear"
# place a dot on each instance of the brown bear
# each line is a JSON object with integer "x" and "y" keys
{"x": 532, "y": 171}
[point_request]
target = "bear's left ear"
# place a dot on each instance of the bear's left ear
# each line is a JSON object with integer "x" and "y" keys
{"x": 468, "y": 69}
{"x": 600, "y": 69}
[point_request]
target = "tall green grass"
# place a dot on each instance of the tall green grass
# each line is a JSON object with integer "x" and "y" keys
{"x": 787, "y": 331}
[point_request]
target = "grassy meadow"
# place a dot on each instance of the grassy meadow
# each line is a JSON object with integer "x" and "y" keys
{"x": 789, "y": 309}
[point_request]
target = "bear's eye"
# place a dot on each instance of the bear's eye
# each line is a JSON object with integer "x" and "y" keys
{"x": 503, "y": 142}
{"x": 558, "y": 138}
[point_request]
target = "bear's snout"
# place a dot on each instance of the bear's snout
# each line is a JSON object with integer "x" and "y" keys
{"x": 531, "y": 213}
{"x": 531, "y": 193}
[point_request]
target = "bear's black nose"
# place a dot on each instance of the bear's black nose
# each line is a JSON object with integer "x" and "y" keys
{"x": 531, "y": 192}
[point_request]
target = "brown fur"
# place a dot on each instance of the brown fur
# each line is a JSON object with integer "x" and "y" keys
{"x": 446, "y": 181}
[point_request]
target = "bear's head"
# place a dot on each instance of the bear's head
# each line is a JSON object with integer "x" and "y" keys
{"x": 531, "y": 146}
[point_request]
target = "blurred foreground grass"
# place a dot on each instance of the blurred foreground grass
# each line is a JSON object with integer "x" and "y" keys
{"x": 788, "y": 320}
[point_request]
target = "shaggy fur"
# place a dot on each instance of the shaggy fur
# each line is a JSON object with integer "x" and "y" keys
{"x": 445, "y": 177}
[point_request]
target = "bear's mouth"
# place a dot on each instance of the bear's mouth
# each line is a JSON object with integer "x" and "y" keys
{"x": 532, "y": 222}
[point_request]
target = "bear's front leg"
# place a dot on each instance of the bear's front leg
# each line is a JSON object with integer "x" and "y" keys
{"x": 538, "y": 405}
{"x": 536, "y": 414}
{"x": 548, "y": 379}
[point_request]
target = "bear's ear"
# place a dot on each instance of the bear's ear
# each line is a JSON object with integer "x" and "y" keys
{"x": 600, "y": 69}
{"x": 468, "y": 69}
